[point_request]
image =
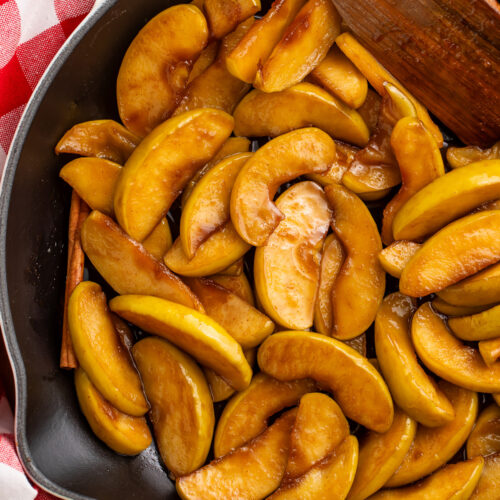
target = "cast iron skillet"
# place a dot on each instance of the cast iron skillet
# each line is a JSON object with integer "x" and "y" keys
{"x": 55, "y": 443}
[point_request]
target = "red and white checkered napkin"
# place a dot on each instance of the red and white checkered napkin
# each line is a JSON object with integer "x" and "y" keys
{"x": 31, "y": 32}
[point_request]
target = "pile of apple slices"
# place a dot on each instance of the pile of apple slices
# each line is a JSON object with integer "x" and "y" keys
{"x": 302, "y": 198}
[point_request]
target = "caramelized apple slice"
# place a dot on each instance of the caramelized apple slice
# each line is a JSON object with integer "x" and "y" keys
{"x": 239, "y": 285}
{"x": 459, "y": 250}
{"x": 446, "y": 356}
{"x": 286, "y": 269}
{"x": 320, "y": 426}
{"x": 490, "y": 350}
{"x": 455, "y": 481}
{"x": 481, "y": 326}
{"x": 340, "y": 369}
{"x": 370, "y": 110}
{"x": 256, "y": 46}
{"x": 304, "y": 44}
{"x": 207, "y": 56}
{"x": 156, "y": 66}
{"x": 451, "y": 310}
{"x": 263, "y": 460}
{"x": 248, "y": 326}
{"x": 121, "y": 432}
{"x": 345, "y": 154}
{"x": 304, "y": 151}
{"x": 489, "y": 484}
{"x": 461, "y": 157}
{"x": 484, "y": 438}
{"x": 381, "y": 454}
{"x": 330, "y": 478}
{"x": 433, "y": 447}
{"x": 261, "y": 114}
{"x": 159, "y": 241}
{"x": 395, "y": 257}
{"x": 100, "y": 352}
{"x": 245, "y": 415}
{"x": 127, "y": 266}
{"x": 100, "y": 138}
{"x": 224, "y": 15}
{"x": 360, "y": 285}
{"x": 182, "y": 412}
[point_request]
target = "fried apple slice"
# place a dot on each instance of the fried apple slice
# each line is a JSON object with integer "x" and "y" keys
{"x": 361, "y": 279}
{"x": 461, "y": 157}
{"x": 337, "y": 367}
{"x": 449, "y": 358}
{"x": 489, "y": 484}
{"x": 256, "y": 46}
{"x": 331, "y": 262}
{"x": 286, "y": 269}
{"x": 457, "y": 251}
{"x": 480, "y": 289}
{"x": 433, "y": 447}
{"x": 127, "y": 267}
{"x": 481, "y": 326}
{"x": 121, "y": 432}
{"x": 330, "y": 478}
{"x": 162, "y": 165}
{"x": 412, "y": 389}
{"x": 156, "y": 66}
{"x": 370, "y": 110}
{"x": 490, "y": 350}
{"x": 224, "y": 15}
{"x": 263, "y": 459}
{"x": 485, "y": 437}
{"x": 159, "y": 241}
{"x": 320, "y": 426}
{"x": 451, "y": 310}
{"x": 304, "y": 44}
{"x": 234, "y": 269}
{"x": 99, "y": 138}
{"x": 381, "y": 454}
{"x": 419, "y": 161}
{"x": 395, "y": 257}
{"x": 182, "y": 411}
{"x": 248, "y": 326}
{"x": 207, "y": 56}
{"x": 100, "y": 351}
{"x": 447, "y": 198}
{"x": 220, "y": 250}
{"x": 262, "y": 114}
{"x": 207, "y": 208}
{"x": 303, "y": 151}
{"x": 239, "y": 285}
{"x": 245, "y": 415}
{"x": 343, "y": 158}
{"x": 455, "y": 481}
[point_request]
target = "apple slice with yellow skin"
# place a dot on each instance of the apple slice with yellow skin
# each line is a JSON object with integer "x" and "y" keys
{"x": 434, "y": 446}
{"x": 245, "y": 415}
{"x": 121, "y": 432}
{"x": 163, "y": 163}
{"x": 320, "y": 426}
{"x": 248, "y": 326}
{"x": 100, "y": 352}
{"x": 481, "y": 326}
{"x": 182, "y": 411}
{"x": 331, "y": 262}
{"x": 360, "y": 284}
{"x": 250, "y": 472}
{"x": 256, "y": 46}
{"x": 480, "y": 289}
{"x": 484, "y": 438}
{"x": 159, "y": 241}
{"x": 303, "y": 151}
{"x": 218, "y": 252}
{"x": 455, "y": 481}
{"x": 377, "y": 75}
{"x": 156, "y": 66}
{"x": 287, "y": 268}
{"x": 127, "y": 266}
{"x": 216, "y": 87}
{"x": 303, "y": 46}
{"x": 330, "y": 478}
{"x": 338, "y": 368}
{"x": 261, "y": 114}
{"x": 490, "y": 350}
{"x": 412, "y": 389}
{"x": 99, "y": 138}
{"x": 238, "y": 284}
{"x": 381, "y": 454}
{"x": 489, "y": 484}
{"x": 447, "y": 198}
{"x": 419, "y": 161}
{"x": 394, "y": 257}
{"x": 461, "y": 157}
{"x": 443, "y": 307}
{"x": 94, "y": 179}
{"x": 224, "y": 15}
{"x": 457, "y": 251}
{"x": 207, "y": 208}
{"x": 337, "y": 74}
{"x": 192, "y": 331}
{"x": 207, "y": 56}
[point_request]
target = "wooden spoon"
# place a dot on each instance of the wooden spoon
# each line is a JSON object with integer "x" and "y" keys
{"x": 446, "y": 52}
